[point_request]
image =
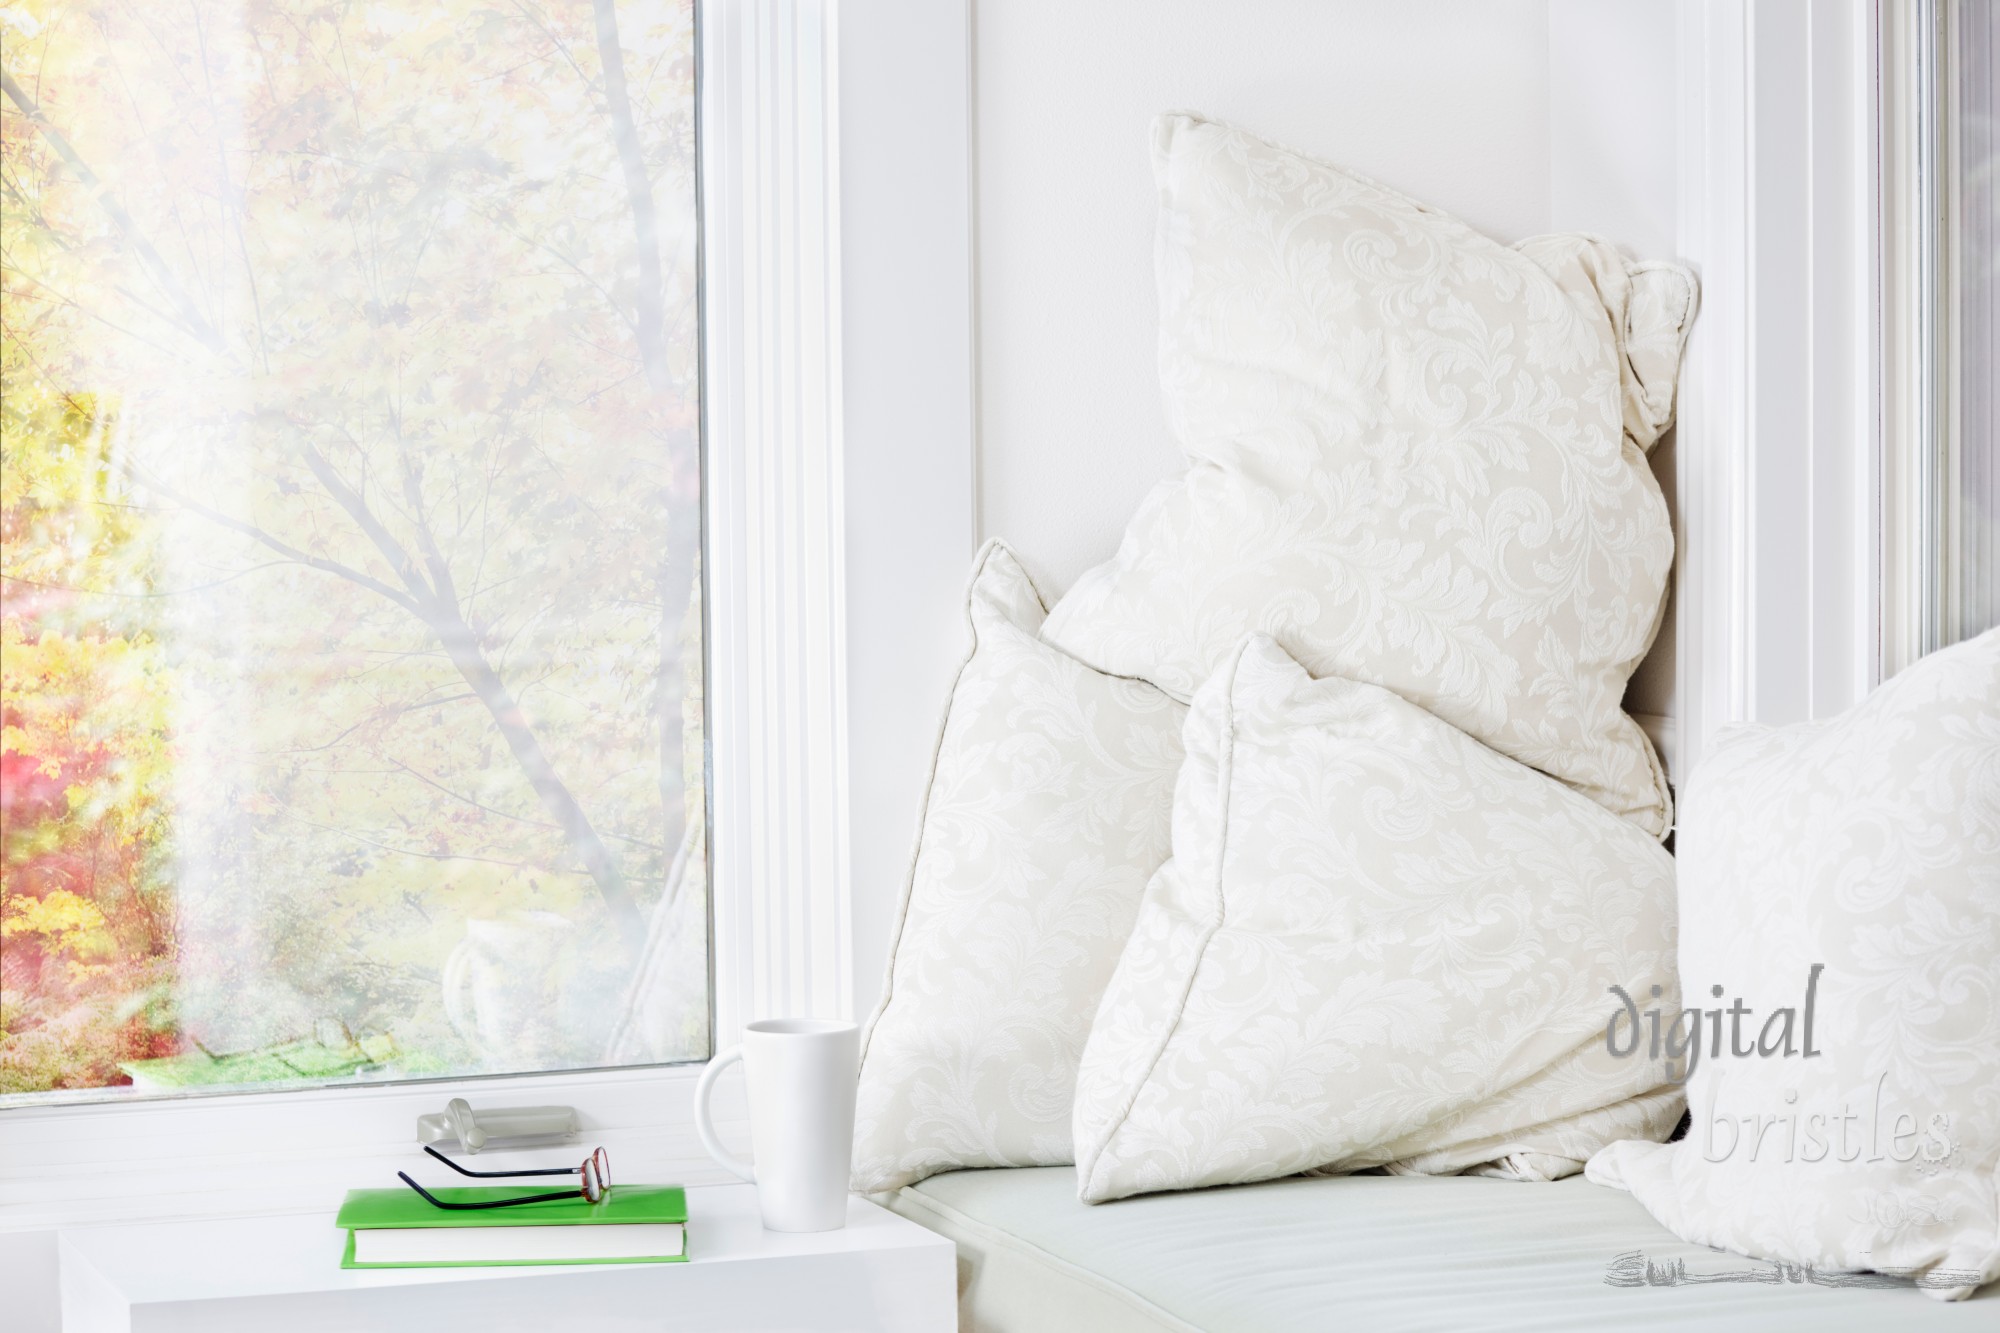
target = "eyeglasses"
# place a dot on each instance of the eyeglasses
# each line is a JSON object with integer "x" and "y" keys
{"x": 595, "y": 1171}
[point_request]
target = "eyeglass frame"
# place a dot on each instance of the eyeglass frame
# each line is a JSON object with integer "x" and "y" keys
{"x": 595, "y": 1174}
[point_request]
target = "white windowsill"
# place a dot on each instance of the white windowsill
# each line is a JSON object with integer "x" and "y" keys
{"x": 262, "y": 1153}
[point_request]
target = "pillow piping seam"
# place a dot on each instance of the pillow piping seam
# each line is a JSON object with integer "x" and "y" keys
{"x": 930, "y": 782}
{"x": 1225, "y": 777}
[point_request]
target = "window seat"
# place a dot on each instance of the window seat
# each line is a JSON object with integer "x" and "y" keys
{"x": 1377, "y": 1252}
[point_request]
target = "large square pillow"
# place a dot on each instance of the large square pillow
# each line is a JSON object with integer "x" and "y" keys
{"x": 1840, "y": 885}
{"x": 1416, "y": 458}
{"x": 1046, "y": 813}
{"x": 1377, "y": 940}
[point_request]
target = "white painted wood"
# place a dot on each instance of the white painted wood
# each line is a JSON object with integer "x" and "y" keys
{"x": 880, "y": 1272}
{"x": 278, "y": 1152}
{"x": 1711, "y": 435}
{"x": 1938, "y": 560}
{"x": 1776, "y": 448}
{"x": 28, "y": 1267}
{"x": 776, "y": 510}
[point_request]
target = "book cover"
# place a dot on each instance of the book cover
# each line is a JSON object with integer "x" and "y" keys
{"x": 404, "y": 1209}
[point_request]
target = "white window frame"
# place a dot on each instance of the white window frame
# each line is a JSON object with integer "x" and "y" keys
{"x": 1779, "y": 436}
{"x": 1924, "y": 356}
{"x": 838, "y": 395}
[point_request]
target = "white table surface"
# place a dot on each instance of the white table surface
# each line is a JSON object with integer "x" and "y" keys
{"x": 880, "y": 1272}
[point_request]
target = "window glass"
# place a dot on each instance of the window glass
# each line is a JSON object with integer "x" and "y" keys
{"x": 352, "y": 516}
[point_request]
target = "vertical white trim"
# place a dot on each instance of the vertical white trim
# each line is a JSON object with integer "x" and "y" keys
{"x": 1712, "y": 434}
{"x": 1920, "y": 308}
{"x": 777, "y": 517}
{"x": 1777, "y": 437}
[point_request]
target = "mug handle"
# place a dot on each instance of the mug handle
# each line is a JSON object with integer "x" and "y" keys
{"x": 705, "y": 1126}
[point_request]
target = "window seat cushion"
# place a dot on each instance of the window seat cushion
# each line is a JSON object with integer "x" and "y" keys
{"x": 1365, "y": 1252}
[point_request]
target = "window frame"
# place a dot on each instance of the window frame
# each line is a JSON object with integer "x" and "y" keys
{"x": 819, "y": 461}
{"x": 1779, "y": 434}
{"x": 1923, "y": 445}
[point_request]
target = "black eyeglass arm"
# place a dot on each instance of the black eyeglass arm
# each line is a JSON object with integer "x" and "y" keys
{"x": 497, "y": 1203}
{"x": 498, "y": 1175}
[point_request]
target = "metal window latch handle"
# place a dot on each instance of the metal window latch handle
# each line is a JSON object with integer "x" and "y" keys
{"x": 498, "y": 1127}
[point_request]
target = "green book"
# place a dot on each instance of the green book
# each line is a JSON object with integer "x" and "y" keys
{"x": 636, "y": 1224}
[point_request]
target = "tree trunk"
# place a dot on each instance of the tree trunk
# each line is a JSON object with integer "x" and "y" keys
{"x": 680, "y": 556}
{"x": 649, "y": 300}
{"x": 463, "y": 646}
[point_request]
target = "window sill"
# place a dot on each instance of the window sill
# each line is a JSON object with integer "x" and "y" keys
{"x": 267, "y": 1153}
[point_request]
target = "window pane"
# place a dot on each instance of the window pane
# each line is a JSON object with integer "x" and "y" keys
{"x": 353, "y": 633}
{"x": 1975, "y": 134}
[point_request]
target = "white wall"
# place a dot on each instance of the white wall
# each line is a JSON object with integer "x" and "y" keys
{"x": 908, "y": 431}
{"x": 1521, "y": 116}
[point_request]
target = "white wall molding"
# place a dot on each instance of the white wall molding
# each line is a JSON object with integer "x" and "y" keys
{"x": 776, "y": 510}
{"x": 1778, "y": 418}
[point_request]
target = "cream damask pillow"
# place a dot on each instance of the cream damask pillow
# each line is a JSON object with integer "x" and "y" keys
{"x": 1840, "y": 881}
{"x": 1377, "y": 941}
{"x": 1046, "y": 813}
{"x": 1417, "y": 459}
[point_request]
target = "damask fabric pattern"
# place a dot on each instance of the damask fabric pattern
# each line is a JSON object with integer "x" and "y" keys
{"x": 1377, "y": 941}
{"x": 1048, "y": 809}
{"x": 1868, "y": 844}
{"x": 1416, "y": 458}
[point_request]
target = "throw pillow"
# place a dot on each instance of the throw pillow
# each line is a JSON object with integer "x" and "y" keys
{"x": 1046, "y": 812}
{"x": 1416, "y": 458}
{"x": 1376, "y": 938}
{"x": 1840, "y": 885}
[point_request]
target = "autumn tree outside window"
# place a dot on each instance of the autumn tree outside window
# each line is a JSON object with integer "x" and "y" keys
{"x": 350, "y": 532}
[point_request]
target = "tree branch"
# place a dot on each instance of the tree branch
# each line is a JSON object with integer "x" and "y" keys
{"x": 437, "y": 605}
{"x": 433, "y": 783}
{"x": 284, "y": 548}
{"x": 364, "y": 518}
{"x": 189, "y": 314}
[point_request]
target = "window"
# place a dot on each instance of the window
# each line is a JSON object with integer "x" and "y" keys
{"x": 353, "y": 617}
{"x": 1972, "y": 143}
{"x": 1941, "y": 306}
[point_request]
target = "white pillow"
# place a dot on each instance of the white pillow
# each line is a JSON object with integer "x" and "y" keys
{"x": 1046, "y": 812}
{"x": 1868, "y": 845}
{"x": 1416, "y": 459}
{"x": 1376, "y": 939}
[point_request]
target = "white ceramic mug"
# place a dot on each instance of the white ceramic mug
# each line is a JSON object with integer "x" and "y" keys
{"x": 801, "y": 1074}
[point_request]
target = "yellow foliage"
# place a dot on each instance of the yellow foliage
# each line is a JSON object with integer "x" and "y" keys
{"x": 66, "y": 923}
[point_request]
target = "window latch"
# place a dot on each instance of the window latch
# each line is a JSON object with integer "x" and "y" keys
{"x": 498, "y": 1127}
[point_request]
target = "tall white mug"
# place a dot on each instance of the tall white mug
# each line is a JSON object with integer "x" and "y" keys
{"x": 801, "y": 1074}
